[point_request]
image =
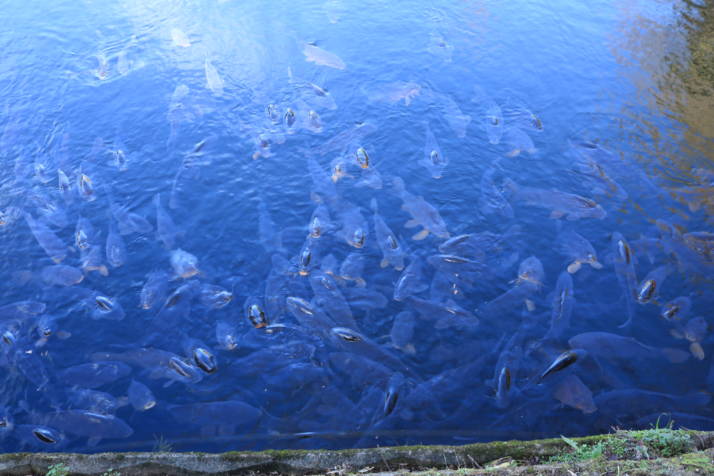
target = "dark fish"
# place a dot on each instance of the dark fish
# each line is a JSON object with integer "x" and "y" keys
{"x": 564, "y": 360}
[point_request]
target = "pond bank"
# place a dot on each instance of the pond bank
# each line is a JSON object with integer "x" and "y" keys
{"x": 656, "y": 451}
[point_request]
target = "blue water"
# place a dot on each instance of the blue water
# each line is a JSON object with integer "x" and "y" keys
{"x": 571, "y": 142}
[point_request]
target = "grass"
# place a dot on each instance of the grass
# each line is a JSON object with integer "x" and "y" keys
{"x": 633, "y": 445}
{"x": 59, "y": 469}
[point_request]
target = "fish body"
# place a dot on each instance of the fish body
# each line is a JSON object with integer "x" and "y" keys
{"x": 423, "y": 213}
{"x": 560, "y": 204}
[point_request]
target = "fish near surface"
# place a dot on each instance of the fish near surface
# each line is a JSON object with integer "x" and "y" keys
{"x": 490, "y": 115}
{"x": 315, "y": 54}
{"x": 491, "y": 200}
{"x": 331, "y": 300}
{"x": 517, "y": 142}
{"x": 577, "y": 249}
{"x": 166, "y": 229}
{"x": 140, "y": 396}
{"x": 624, "y": 264}
{"x": 650, "y": 287}
{"x": 354, "y": 226}
{"x": 184, "y": 264}
{"x": 411, "y": 281}
{"x": 47, "y": 239}
{"x": 571, "y": 391}
{"x": 392, "y": 93}
{"x": 214, "y": 82}
{"x": 423, "y": 213}
{"x": 433, "y": 159}
{"x": 560, "y": 204}
{"x": 115, "y": 248}
{"x": 619, "y": 348}
{"x": 392, "y": 252}
{"x": 61, "y": 275}
{"x": 561, "y": 306}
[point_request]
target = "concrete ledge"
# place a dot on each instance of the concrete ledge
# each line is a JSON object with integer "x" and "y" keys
{"x": 502, "y": 457}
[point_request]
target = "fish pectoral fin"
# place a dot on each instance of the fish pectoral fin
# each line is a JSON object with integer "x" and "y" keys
{"x": 513, "y": 153}
{"x": 411, "y": 223}
{"x": 384, "y": 263}
{"x": 530, "y": 305}
{"x": 555, "y": 214}
{"x": 574, "y": 267}
{"x": 596, "y": 264}
{"x": 421, "y": 235}
{"x": 93, "y": 441}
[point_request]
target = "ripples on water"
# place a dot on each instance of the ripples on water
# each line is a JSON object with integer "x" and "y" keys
{"x": 234, "y": 226}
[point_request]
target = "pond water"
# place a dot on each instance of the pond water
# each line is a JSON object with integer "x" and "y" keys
{"x": 250, "y": 225}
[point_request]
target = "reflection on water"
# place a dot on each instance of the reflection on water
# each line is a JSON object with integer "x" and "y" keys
{"x": 247, "y": 226}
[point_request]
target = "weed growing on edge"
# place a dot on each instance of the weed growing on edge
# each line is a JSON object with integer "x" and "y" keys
{"x": 59, "y": 469}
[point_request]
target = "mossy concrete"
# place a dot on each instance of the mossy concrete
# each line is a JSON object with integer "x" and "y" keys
{"x": 503, "y": 457}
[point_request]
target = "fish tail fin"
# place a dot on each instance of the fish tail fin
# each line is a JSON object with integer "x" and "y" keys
{"x": 398, "y": 185}
{"x": 509, "y": 186}
{"x": 373, "y": 205}
{"x": 675, "y": 356}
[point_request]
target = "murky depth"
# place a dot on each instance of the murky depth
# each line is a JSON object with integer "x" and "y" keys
{"x": 339, "y": 224}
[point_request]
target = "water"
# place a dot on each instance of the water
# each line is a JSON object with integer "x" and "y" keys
{"x": 558, "y": 131}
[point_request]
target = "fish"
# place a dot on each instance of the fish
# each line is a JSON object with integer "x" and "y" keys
{"x": 226, "y": 335}
{"x": 571, "y": 391}
{"x": 444, "y": 315}
{"x": 354, "y": 228}
{"x": 619, "y": 348}
{"x": 320, "y": 223}
{"x": 53, "y": 246}
{"x": 341, "y": 141}
{"x": 491, "y": 200}
{"x": 115, "y": 247}
{"x": 85, "y": 187}
{"x": 402, "y": 332}
{"x": 394, "y": 92}
{"x": 676, "y": 309}
{"x": 214, "y": 83}
{"x": 94, "y": 374}
{"x": 392, "y": 252}
{"x": 92, "y": 425}
{"x": 439, "y": 47}
{"x": 636, "y": 402}
{"x": 433, "y": 160}
{"x": 517, "y": 112}
{"x": 563, "y": 361}
{"x": 140, "y": 396}
{"x": 102, "y": 307}
{"x": 228, "y": 412}
{"x": 517, "y": 142}
{"x": 624, "y": 264}
{"x": 153, "y": 292}
{"x": 166, "y": 230}
{"x": 179, "y": 38}
{"x": 578, "y": 249}
{"x": 561, "y": 306}
{"x": 503, "y": 388}
{"x": 315, "y": 54}
{"x": 214, "y": 296}
{"x": 61, "y": 275}
{"x": 490, "y": 115}
{"x": 650, "y": 287}
{"x": 350, "y": 340}
{"x": 129, "y": 222}
{"x": 330, "y": 299}
{"x": 561, "y": 204}
{"x": 411, "y": 281}
{"x": 119, "y": 155}
{"x": 184, "y": 264}
{"x": 423, "y": 213}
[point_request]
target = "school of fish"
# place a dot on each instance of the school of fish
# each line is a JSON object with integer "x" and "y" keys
{"x": 377, "y": 320}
